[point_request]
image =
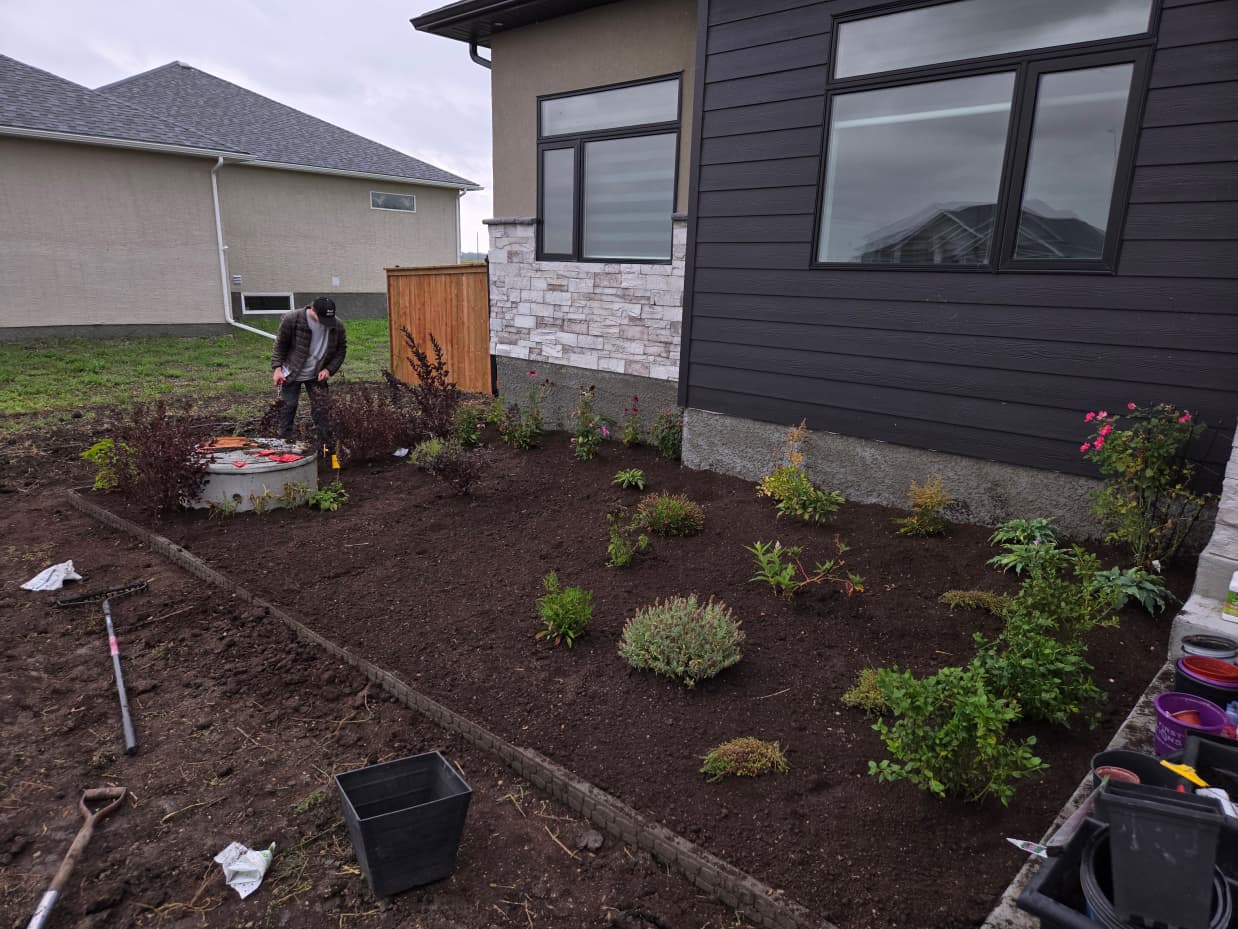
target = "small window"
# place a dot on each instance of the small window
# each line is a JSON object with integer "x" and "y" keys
{"x": 404, "y": 203}
{"x": 606, "y": 172}
{"x": 269, "y": 304}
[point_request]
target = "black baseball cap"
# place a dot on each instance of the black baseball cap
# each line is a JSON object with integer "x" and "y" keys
{"x": 324, "y": 309}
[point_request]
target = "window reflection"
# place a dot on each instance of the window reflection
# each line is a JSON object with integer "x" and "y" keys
{"x": 912, "y": 173}
{"x": 1076, "y": 133}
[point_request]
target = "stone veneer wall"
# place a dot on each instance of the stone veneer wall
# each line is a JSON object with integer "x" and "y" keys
{"x": 618, "y": 317}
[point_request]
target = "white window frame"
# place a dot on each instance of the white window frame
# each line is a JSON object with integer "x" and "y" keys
{"x": 392, "y": 193}
{"x": 245, "y": 311}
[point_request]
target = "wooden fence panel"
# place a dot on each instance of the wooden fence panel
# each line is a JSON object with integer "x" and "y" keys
{"x": 452, "y": 303}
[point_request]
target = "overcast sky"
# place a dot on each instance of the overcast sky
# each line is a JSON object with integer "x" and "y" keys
{"x": 359, "y": 65}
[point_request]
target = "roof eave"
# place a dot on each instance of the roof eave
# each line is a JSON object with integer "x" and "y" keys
{"x": 113, "y": 142}
{"x": 474, "y": 21}
{"x": 364, "y": 175}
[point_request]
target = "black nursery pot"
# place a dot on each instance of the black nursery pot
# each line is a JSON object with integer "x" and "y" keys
{"x": 405, "y": 819}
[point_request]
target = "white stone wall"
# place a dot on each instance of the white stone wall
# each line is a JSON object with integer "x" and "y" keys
{"x": 624, "y": 318}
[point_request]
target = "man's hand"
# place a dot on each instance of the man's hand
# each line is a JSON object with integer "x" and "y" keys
{"x": 277, "y": 376}
{"x": 323, "y": 375}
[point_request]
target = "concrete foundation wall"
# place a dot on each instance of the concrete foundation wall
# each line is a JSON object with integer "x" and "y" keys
{"x": 622, "y": 318}
{"x": 95, "y": 236}
{"x": 988, "y": 492}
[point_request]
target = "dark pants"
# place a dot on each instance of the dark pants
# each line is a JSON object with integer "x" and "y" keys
{"x": 320, "y": 401}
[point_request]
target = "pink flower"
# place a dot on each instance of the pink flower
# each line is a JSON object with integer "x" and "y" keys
{"x": 1102, "y": 415}
{"x": 532, "y": 374}
{"x": 1106, "y": 429}
{"x": 605, "y": 432}
{"x": 1089, "y": 417}
{"x": 1084, "y": 447}
{"x": 1184, "y": 418}
{"x": 1099, "y": 443}
{"x": 1130, "y": 406}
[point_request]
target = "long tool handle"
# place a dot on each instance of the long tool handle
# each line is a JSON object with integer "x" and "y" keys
{"x": 131, "y": 739}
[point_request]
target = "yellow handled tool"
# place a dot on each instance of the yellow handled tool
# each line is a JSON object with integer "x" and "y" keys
{"x": 1185, "y": 770}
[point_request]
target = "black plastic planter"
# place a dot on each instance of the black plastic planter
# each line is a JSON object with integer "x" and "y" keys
{"x": 405, "y": 819}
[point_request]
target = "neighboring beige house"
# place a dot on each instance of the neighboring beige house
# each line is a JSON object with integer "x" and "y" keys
{"x": 173, "y": 198}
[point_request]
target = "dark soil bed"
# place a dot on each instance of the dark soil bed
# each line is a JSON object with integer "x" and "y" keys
{"x": 441, "y": 590}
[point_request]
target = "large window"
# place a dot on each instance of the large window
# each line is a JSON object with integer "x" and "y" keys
{"x": 606, "y": 172}
{"x": 968, "y": 134}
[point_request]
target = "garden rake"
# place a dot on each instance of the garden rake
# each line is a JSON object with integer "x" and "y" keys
{"x": 105, "y": 597}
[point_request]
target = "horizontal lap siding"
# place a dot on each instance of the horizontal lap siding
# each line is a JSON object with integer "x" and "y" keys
{"x": 995, "y": 366}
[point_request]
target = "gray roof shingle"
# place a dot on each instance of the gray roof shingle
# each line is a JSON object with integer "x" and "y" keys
{"x": 36, "y": 100}
{"x": 269, "y": 130}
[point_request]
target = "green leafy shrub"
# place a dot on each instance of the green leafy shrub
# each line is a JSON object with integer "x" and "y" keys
{"x": 630, "y": 432}
{"x": 1147, "y": 503}
{"x": 565, "y": 611}
{"x": 1025, "y": 532}
{"x": 927, "y": 503}
{"x": 523, "y": 429}
{"x": 669, "y": 514}
{"x": 791, "y": 490}
{"x": 787, "y": 578}
{"x": 156, "y": 457}
{"x": 667, "y": 434}
{"x": 682, "y": 639}
{"x": 103, "y": 456}
{"x": 331, "y": 497}
{"x": 589, "y": 427}
{"x": 949, "y": 735}
{"x": 425, "y": 451}
{"x": 630, "y": 479}
{"x": 470, "y": 423}
{"x": 625, "y": 543}
{"x": 1145, "y": 588}
{"x": 994, "y": 603}
{"x": 1058, "y": 595}
{"x": 743, "y": 757}
{"x": 1019, "y": 556}
{"x": 1051, "y": 680}
{"x": 865, "y": 694}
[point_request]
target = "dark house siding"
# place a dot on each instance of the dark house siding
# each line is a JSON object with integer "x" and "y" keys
{"x": 998, "y": 366}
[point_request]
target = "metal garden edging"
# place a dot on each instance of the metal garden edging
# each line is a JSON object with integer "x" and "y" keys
{"x": 729, "y": 884}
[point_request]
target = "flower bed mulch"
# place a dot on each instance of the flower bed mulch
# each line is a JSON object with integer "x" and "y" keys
{"x": 441, "y": 590}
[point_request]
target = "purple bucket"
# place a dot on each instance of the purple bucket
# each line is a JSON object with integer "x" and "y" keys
{"x": 1170, "y": 732}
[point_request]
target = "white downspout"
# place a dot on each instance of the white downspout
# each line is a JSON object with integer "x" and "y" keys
{"x": 459, "y": 197}
{"x": 223, "y": 258}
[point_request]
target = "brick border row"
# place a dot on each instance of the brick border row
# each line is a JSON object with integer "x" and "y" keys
{"x": 729, "y": 884}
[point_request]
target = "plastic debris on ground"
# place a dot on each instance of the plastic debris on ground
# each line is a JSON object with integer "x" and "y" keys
{"x": 244, "y": 867}
{"x": 52, "y": 578}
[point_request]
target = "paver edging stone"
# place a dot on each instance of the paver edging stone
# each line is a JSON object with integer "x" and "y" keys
{"x": 735, "y": 888}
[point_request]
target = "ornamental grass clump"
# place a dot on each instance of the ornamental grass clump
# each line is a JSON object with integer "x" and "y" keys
{"x": 743, "y": 757}
{"x": 669, "y": 514}
{"x": 682, "y": 639}
{"x": 927, "y": 500}
{"x": 865, "y": 694}
{"x": 987, "y": 600}
{"x": 1148, "y": 502}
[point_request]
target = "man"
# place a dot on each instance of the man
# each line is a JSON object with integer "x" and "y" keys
{"x": 309, "y": 348}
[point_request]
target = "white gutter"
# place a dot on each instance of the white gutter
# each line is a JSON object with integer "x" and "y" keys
{"x": 311, "y": 169}
{"x": 119, "y": 143}
{"x": 459, "y": 197}
{"x": 223, "y": 258}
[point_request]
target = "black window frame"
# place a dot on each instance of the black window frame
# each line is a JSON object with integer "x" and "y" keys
{"x": 1028, "y": 66}
{"x": 576, "y": 141}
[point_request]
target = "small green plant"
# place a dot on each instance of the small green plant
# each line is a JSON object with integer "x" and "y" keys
{"x": 328, "y": 498}
{"x": 424, "y": 452}
{"x": 1145, "y": 588}
{"x": 625, "y": 544}
{"x": 103, "y": 456}
{"x": 630, "y": 479}
{"x": 565, "y": 611}
{"x": 791, "y": 490}
{"x": 667, "y": 434}
{"x": 743, "y": 757}
{"x": 1147, "y": 503}
{"x": 630, "y": 431}
{"x": 264, "y": 502}
{"x": 682, "y": 639}
{"x": 222, "y": 509}
{"x": 589, "y": 427}
{"x": 1025, "y": 532}
{"x": 927, "y": 503}
{"x": 470, "y": 422}
{"x": 1050, "y": 680}
{"x": 865, "y": 694}
{"x": 294, "y": 494}
{"x": 1019, "y": 556}
{"x": 949, "y": 735}
{"x": 523, "y": 429}
{"x": 669, "y": 514}
{"x": 995, "y": 603}
{"x": 1059, "y": 597}
{"x": 787, "y": 578}
{"x": 309, "y": 802}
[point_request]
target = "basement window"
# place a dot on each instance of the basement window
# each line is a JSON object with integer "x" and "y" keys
{"x": 401, "y": 203}
{"x": 266, "y": 304}
{"x": 970, "y": 135}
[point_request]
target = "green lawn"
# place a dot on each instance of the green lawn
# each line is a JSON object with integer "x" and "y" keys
{"x": 53, "y": 376}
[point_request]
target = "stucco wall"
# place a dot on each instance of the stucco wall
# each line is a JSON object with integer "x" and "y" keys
{"x": 105, "y": 236}
{"x": 606, "y": 45}
{"x": 293, "y": 231}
